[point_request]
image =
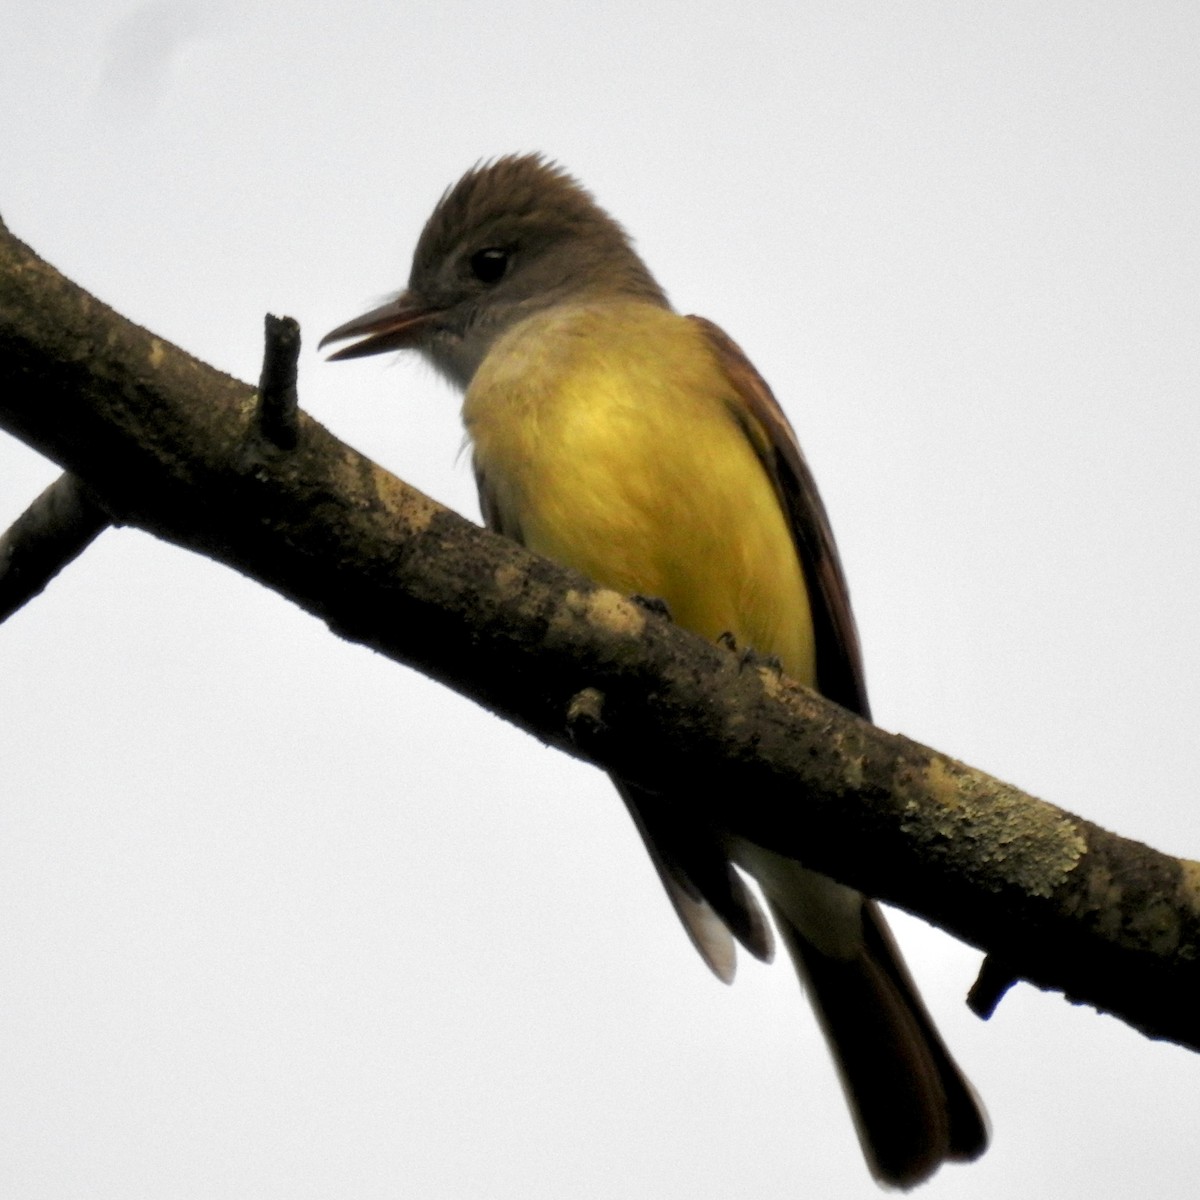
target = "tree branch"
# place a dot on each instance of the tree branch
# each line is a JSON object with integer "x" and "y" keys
{"x": 171, "y": 445}
{"x": 55, "y": 529}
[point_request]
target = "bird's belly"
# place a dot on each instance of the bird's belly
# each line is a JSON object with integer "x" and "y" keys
{"x": 657, "y": 495}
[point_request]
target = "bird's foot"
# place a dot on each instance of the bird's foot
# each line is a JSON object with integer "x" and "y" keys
{"x": 653, "y": 604}
{"x": 748, "y": 656}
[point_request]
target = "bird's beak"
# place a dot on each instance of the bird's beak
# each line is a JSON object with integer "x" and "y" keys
{"x": 397, "y": 325}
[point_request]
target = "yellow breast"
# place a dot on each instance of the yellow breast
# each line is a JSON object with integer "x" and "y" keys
{"x": 606, "y": 434}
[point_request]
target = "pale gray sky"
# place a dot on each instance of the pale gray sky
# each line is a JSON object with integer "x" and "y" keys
{"x": 281, "y": 919}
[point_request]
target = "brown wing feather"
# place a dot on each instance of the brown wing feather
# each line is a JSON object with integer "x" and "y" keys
{"x": 911, "y": 1104}
{"x": 493, "y": 515}
{"x": 839, "y": 659}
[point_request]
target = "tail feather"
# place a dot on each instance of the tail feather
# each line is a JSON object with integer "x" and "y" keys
{"x": 912, "y": 1107}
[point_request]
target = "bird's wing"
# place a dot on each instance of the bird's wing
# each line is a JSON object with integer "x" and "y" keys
{"x": 709, "y": 896}
{"x": 839, "y": 658}
{"x": 912, "y": 1106}
{"x": 494, "y": 516}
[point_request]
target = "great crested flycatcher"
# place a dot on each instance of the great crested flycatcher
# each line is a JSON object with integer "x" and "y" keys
{"x": 642, "y": 448}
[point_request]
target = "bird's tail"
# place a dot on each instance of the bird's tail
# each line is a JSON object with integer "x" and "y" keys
{"x": 912, "y": 1106}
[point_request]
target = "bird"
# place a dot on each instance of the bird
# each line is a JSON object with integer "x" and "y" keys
{"x": 641, "y": 447}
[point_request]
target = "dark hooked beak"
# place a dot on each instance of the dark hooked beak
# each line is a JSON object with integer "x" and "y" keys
{"x": 397, "y": 325}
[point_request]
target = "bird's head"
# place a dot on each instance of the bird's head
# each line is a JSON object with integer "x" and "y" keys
{"x": 512, "y": 238}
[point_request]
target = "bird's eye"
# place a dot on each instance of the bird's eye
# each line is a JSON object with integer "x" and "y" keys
{"x": 489, "y": 265}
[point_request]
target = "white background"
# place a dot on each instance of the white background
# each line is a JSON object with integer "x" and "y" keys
{"x": 281, "y": 919}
